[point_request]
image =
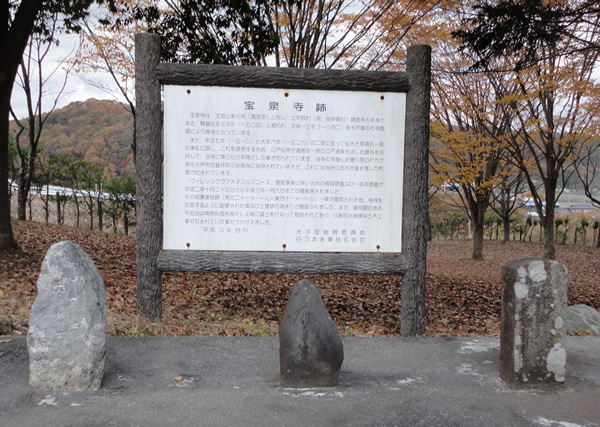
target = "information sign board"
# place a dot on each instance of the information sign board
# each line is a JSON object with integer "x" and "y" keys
{"x": 255, "y": 169}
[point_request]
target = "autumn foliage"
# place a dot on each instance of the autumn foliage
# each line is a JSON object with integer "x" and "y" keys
{"x": 97, "y": 131}
{"x": 463, "y": 295}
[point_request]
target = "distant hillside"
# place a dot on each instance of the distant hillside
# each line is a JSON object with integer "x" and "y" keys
{"x": 98, "y": 131}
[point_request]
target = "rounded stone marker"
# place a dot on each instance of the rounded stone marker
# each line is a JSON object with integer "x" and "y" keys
{"x": 67, "y": 323}
{"x": 310, "y": 348}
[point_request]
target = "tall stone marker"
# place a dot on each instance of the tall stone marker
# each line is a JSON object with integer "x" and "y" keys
{"x": 534, "y": 309}
{"x": 67, "y": 324}
{"x": 310, "y": 348}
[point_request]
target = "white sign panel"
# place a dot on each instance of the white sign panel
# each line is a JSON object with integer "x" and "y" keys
{"x": 249, "y": 169}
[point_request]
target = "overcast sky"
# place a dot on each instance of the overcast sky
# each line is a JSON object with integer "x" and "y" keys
{"x": 77, "y": 88}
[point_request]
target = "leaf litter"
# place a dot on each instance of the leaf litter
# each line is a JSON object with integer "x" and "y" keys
{"x": 463, "y": 295}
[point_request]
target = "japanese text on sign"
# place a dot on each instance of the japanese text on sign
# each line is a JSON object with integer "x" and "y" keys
{"x": 274, "y": 169}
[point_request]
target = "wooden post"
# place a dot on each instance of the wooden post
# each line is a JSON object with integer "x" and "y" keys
{"x": 416, "y": 156}
{"x": 148, "y": 175}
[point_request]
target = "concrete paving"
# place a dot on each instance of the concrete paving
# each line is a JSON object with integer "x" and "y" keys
{"x": 214, "y": 381}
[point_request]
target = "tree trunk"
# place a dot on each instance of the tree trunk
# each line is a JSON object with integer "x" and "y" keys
{"x": 77, "y": 211}
{"x": 46, "y": 204}
{"x": 12, "y": 46}
{"x": 148, "y": 175}
{"x": 7, "y": 240}
{"x": 549, "y": 248}
{"x": 548, "y": 218}
{"x": 92, "y": 216}
{"x": 416, "y": 151}
{"x": 477, "y": 208}
{"x": 126, "y": 224}
{"x": 598, "y": 239}
{"x": 478, "y": 231}
{"x": 58, "y": 216}
{"x": 506, "y": 223}
{"x": 100, "y": 214}
{"x": 134, "y": 140}
{"x": 21, "y": 203}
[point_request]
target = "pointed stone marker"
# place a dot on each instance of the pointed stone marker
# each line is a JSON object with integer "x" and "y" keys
{"x": 310, "y": 348}
{"x": 67, "y": 324}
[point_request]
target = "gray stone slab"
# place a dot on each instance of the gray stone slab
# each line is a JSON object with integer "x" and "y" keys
{"x": 235, "y": 382}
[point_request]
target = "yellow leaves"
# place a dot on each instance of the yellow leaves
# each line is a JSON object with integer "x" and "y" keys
{"x": 437, "y": 180}
{"x": 581, "y": 333}
{"x": 465, "y": 143}
{"x": 466, "y": 157}
{"x": 511, "y": 99}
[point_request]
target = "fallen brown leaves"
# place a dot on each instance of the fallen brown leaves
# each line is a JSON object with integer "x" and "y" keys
{"x": 463, "y": 295}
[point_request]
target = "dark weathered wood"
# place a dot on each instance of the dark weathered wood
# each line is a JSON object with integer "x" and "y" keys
{"x": 416, "y": 154}
{"x": 284, "y": 78}
{"x": 148, "y": 175}
{"x": 281, "y": 262}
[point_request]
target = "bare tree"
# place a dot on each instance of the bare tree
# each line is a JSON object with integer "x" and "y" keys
{"x": 33, "y": 82}
{"x": 91, "y": 190}
{"x": 365, "y": 34}
{"x": 506, "y": 197}
{"x": 110, "y": 49}
{"x": 587, "y": 171}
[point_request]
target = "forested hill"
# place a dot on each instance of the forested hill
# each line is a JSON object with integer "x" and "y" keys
{"x": 98, "y": 131}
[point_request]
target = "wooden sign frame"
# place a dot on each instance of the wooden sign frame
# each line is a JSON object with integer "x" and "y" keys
{"x": 152, "y": 260}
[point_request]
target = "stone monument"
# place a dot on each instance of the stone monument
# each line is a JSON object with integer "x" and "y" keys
{"x": 534, "y": 309}
{"x": 67, "y": 324}
{"x": 310, "y": 348}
